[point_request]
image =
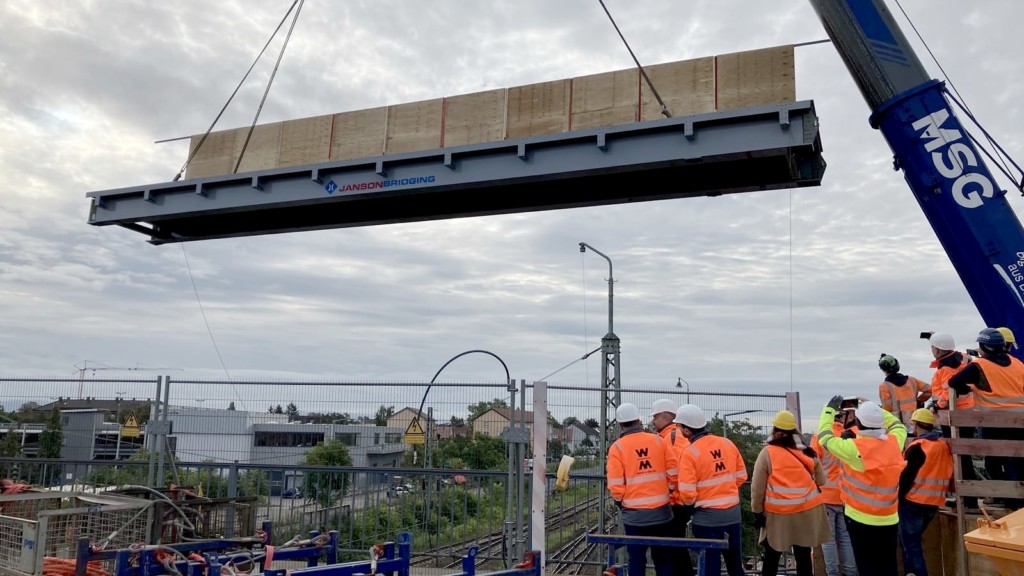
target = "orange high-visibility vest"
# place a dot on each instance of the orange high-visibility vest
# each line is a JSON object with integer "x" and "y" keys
{"x": 638, "y": 471}
{"x": 676, "y": 442}
{"x": 940, "y": 387}
{"x": 831, "y": 492}
{"x": 875, "y": 491}
{"x": 790, "y": 487}
{"x": 711, "y": 471}
{"x": 1007, "y": 383}
{"x": 933, "y": 478}
{"x": 901, "y": 401}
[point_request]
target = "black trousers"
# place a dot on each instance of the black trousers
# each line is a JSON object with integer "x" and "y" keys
{"x": 802, "y": 555}
{"x": 682, "y": 563}
{"x": 874, "y": 548}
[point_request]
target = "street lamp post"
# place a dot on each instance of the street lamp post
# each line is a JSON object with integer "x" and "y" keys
{"x": 679, "y": 384}
{"x": 725, "y": 420}
{"x": 610, "y": 375}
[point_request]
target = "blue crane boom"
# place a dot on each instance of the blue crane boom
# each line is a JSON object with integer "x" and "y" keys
{"x": 958, "y": 194}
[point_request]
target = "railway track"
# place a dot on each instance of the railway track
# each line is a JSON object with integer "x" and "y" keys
{"x": 573, "y": 556}
{"x": 491, "y": 546}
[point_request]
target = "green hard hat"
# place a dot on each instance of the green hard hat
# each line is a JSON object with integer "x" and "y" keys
{"x": 889, "y": 364}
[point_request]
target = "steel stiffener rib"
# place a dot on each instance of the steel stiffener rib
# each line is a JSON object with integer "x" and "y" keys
{"x": 764, "y": 148}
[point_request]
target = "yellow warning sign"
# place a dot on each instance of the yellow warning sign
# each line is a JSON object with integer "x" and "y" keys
{"x": 414, "y": 433}
{"x": 131, "y": 428}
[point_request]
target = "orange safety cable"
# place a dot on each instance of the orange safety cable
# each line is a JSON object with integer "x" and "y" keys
{"x": 66, "y": 567}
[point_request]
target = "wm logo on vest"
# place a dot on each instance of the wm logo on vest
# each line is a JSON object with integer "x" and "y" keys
{"x": 716, "y": 455}
{"x": 644, "y": 464}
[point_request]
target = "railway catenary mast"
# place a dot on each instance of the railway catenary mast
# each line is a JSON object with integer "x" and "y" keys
{"x": 957, "y": 192}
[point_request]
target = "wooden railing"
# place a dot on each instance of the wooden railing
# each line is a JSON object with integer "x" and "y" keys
{"x": 981, "y": 447}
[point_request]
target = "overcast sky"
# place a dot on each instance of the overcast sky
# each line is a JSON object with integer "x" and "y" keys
{"x": 766, "y": 291}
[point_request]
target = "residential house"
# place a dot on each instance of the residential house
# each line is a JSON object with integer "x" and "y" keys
{"x": 576, "y": 433}
{"x": 496, "y": 420}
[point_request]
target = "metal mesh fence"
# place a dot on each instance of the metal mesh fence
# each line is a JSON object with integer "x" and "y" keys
{"x": 252, "y": 452}
{"x": 50, "y": 525}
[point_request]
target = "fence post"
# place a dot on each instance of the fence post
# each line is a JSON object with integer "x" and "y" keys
{"x": 538, "y": 491}
{"x": 229, "y": 513}
{"x": 162, "y": 444}
{"x": 151, "y": 426}
{"x": 793, "y": 405}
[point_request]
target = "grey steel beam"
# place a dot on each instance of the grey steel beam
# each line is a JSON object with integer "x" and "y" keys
{"x": 764, "y": 148}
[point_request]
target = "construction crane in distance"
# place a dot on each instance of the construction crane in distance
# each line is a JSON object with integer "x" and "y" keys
{"x": 85, "y": 367}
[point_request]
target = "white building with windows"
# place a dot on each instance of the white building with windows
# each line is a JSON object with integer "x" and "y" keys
{"x": 226, "y": 436}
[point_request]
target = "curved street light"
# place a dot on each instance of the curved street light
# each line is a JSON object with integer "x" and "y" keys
{"x": 508, "y": 378}
{"x": 511, "y": 388}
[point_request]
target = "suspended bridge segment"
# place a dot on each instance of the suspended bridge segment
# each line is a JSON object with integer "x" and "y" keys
{"x": 763, "y": 148}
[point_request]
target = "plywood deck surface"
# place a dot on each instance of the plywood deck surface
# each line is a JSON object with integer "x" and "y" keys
{"x": 724, "y": 82}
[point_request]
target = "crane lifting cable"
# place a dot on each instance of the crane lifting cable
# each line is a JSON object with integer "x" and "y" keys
{"x": 199, "y": 145}
{"x": 270, "y": 82}
{"x": 1000, "y": 157}
{"x": 647, "y": 79}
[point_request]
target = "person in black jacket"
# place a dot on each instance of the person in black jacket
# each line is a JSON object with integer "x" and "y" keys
{"x": 923, "y": 486}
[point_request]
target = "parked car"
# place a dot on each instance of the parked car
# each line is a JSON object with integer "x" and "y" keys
{"x": 291, "y": 493}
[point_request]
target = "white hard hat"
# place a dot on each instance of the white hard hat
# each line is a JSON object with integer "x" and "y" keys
{"x": 870, "y": 415}
{"x": 691, "y": 416}
{"x": 942, "y": 341}
{"x": 627, "y": 413}
{"x": 663, "y": 405}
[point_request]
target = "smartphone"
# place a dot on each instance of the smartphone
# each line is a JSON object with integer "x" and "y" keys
{"x": 926, "y": 335}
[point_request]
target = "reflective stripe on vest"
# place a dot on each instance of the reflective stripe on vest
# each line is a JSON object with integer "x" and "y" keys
{"x": 875, "y": 491}
{"x": 646, "y": 501}
{"x": 722, "y": 479}
{"x": 932, "y": 480}
{"x": 1007, "y": 383}
{"x": 790, "y": 486}
{"x": 723, "y": 502}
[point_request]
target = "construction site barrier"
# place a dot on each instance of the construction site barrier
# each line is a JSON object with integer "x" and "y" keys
{"x": 201, "y": 558}
{"x": 387, "y": 558}
{"x": 699, "y": 545}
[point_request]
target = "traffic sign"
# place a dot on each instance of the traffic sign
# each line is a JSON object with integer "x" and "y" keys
{"x": 414, "y": 433}
{"x": 131, "y": 428}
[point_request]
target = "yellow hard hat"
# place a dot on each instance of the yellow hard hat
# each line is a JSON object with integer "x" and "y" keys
{"x": 923, "y": 415}
{"x": 784, "y": 420}
{"x": 1007, "y": 335}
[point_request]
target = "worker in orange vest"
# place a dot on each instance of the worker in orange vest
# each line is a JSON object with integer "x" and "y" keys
{"x": 638, "y": 471}
{"x": 838, "y": 551}
{"x": 947, "y": 363}
{"x": 711, "y": 471}
{"x": 786, "y": 499}
{"x": 872, "y": 463}
{"x": 923, "y": 486}
{"x": 900, "y": 394}
{"x": 663, "y": 412}
{"x": 997, "y": 381}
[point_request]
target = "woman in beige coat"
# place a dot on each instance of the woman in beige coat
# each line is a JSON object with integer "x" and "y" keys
{"x": 785, "y": 498}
